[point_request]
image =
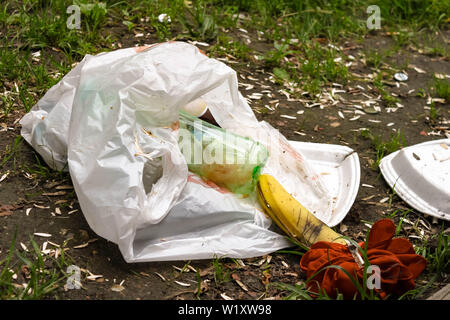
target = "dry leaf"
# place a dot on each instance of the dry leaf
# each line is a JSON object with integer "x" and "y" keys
{"x": 64, "y": 187}
{"x": 418, "y": 70}
{"x": 24, "y": 247}
{"x": 52, "y": 194}
{"x": 225, "y": 297}
{"x": 260, "y": 262}
{"x": 4, "y": 176}
{"x": 161, "y": 276}
{"x": 203, "y": 287}
{"x": 243, "y": 286}
{"x": 44, "y": 235}
{"x": 7, "y": 209}
{"x": 292, "y": 274}
{"x": 94, "y": 277}
{"x": 5, "y": 213}
{"x": 40, "y": 207}
{"x": 117, "y": 288}
{"x": 288, "y": 117}
{"x": 191, "y": 268}
{"x": 180, "y": 269}
{"x": 239, "y": 282}
{"x": 265, "y": 278}
{"x": 184, "y": 284}
{"x": 335, "y": 124}
{"x": 144, "y": 274}
{"x": 206, "y": 271}
{"x": 84, "y": 245}
{"x": 54, "y": 244}
{"x": 384, "y": 200}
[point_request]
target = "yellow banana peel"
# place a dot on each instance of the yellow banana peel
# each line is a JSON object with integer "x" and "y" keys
{"x": 294, "y": 219}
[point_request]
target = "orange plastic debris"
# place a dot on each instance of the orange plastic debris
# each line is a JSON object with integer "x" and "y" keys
{"x": 396, "y": 258}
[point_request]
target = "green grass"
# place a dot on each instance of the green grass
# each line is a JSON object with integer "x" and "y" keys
{"x": 10, "y": 152}
{"x": 40, "y": 275}
{"x": 434, "y": 113}
{"x": 221, "y": 273}
{"x": 383, "y": 148}
{"x": 374, "y": 58}
{"x": 436, "y": 250}
{"x": 294, "y": 292}
{"x": 30, "y": 26}
{"x": 398, "y": 229}
{"x": 199, "y": 285}
{"x": 226, "y": 46}
{"x": 200, "y": 23}
{"x": 432, "y": 45}
{"x": 438, "y": 258}
{"x": 12, "y": 157}
{"x": 320, "y": 67}
{"x": 441, "y": 88}
{"x": 310, "y": 67}
{"x": 388, "y": 99}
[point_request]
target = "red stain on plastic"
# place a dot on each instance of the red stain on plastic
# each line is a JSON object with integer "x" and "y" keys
{"x": 206, "y": 183}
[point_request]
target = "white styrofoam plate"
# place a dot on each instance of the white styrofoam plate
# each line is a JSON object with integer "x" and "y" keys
{"x": 340, "y": 170}
{"x": 420, "y": 175}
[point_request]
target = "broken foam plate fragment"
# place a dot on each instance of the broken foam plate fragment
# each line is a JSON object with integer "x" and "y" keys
{"x": 420, "y": 175}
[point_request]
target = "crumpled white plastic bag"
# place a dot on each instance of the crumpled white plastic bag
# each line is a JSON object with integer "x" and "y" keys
{"x": 94, "y": 121}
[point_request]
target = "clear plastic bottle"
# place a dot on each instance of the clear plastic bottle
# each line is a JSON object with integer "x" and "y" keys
{"x": 229, "y": 160}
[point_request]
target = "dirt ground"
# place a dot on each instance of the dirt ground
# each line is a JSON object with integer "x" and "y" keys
{"x": 141, "y": 281}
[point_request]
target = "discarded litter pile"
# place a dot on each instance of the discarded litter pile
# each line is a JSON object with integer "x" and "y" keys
{"x": 165, "y": 185}
{"x": 119, "y": 133}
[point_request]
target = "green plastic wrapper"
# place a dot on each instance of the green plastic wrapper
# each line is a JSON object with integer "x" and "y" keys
{"x": 229, "y": 160}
